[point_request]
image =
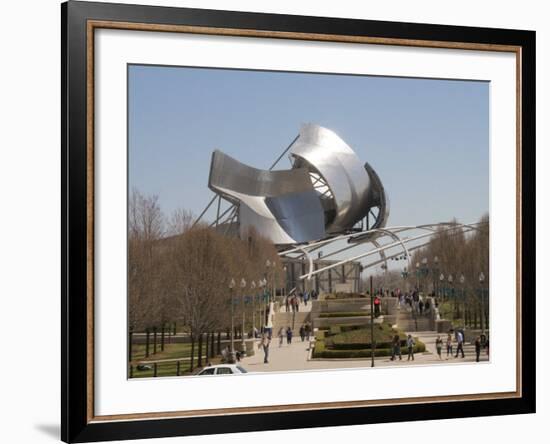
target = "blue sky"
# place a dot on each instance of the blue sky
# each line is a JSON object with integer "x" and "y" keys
{"x": 427, "y": 139}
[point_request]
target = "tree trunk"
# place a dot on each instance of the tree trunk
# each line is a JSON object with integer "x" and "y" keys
{"x": 162, "y": 337}
{"x": 207, "y": 346}
{"x": 219, "y": 342}
{"x": 154, "y": 340}
{"x": 212, "y": 354}
{"x": 147, "y": 338}
{"x": 199, "y": 359}
{"x": 130, "y": 334}
{"x": 192, "y": 352}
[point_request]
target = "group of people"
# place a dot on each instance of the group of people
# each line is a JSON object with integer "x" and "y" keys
{"x": 415, "y": 301}
{"x": 305, "y": 333}
{"x": 284, "y": 332}
{"x": 481, "y": 342}
{"x": 396, "y": 347}
{"x": 292, "y": 302}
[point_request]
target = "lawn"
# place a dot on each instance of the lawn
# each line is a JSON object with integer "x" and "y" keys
{"x": 171, "y": 351}
{"x": 170, "y": 368}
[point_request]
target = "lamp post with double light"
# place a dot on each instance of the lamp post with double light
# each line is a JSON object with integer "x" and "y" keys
{"x": 405, "y": 274}
{"x": 285, "y": 271}
{"x": 231, "y": 287}
{"x": 463, "y": 297}
{"x": 424, "y": 271}
{"x": 253, "y": 288}
{"x": 482, "y": 288}
{"x": 418, "y": 276}
{"x": 435, "y": 273}
{"x": 262, "y": 285}
{"x": 243, "y": 286}
{"x": 452, "y": 291}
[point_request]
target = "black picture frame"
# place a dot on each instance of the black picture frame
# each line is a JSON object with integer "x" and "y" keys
{"x": 76, "y": 423}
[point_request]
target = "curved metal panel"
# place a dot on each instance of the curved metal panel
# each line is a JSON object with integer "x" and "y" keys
{"x": 228, "y": 173}
{"x": 324, "y": 152}
{"x": 378, "y": 198}
{"x": 280, "y": 205}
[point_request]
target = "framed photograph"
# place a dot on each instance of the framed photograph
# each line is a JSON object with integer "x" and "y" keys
{"x": 275, "y": 221}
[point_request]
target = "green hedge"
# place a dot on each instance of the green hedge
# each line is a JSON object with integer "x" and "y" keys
{"x": 353, "y": 341}
{"x": 341, "y": 295}
{"x": 343, "y": 314}
{"x": 341, "y": 335}
{"x": 359, "y": 345}
{"x": 345, "y": 328}
{"x": 321, "y": 352}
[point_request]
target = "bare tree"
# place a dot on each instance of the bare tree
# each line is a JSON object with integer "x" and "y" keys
{"x": 145, "y": 228}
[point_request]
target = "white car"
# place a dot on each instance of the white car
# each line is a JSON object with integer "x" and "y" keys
{"x": 223, "y": 369}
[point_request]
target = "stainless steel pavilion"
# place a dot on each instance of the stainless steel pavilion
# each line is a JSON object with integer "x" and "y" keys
{"x": 327, "y": 191}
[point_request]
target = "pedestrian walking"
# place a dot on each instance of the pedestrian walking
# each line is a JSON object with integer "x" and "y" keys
{"x": 265, "y": 345}
{"x": 225, "y": 354}
{"x": 478, "y": 348}
{"x": 410, "y": 347}
{"x": 459, "y": 344}
{"x": 302, "y": 333}
{"x": 449, "y": 345}
{"x": 289, "y": 335}
{"x": 439, "y": 346}
{"x": 396, "y": 347}
{"x": 281, "y": 335}
{"x": 308, "y": 331}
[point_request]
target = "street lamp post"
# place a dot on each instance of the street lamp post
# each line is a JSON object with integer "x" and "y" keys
{"x": 243, "y": 345}
{"x": 462, "y": 280}
{"x": 253, "y": 287}
{"x": 424, "y": 272}
{"x": 262, "y": 287}
{"x": 405, "y": 273}
{"x": 435, "y": 273}
{"x": 268, "y": 264}
{"x": 441, "y": 279}
{"x": 418, "y": 276}
{"x": 371, "y": 323}
{"x": 481, "y": 281}
{"x": 231, "y": 287}
{"x": 285, "y": 281}
{"x": 452, "y": 290}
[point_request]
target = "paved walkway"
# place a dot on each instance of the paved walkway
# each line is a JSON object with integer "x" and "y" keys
{"x": 295, "y": 357}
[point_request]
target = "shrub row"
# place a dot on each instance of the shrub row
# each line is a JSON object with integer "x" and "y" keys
{"x": 343, "y": 314}
{"x": 321, "y": 352}
{"x": 359, "y": 345}
{"x": 341, "y": 295}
